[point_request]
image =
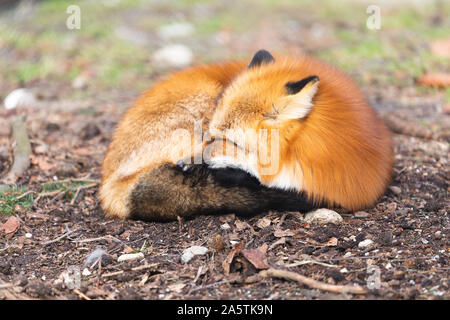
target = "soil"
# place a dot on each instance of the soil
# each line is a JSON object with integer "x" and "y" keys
{"x": 408, "y": 227}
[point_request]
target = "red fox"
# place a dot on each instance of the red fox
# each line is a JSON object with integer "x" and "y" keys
{"x": 330, "y": 147}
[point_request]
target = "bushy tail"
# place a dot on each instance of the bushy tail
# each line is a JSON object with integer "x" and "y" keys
{"x": 167, "y": 192}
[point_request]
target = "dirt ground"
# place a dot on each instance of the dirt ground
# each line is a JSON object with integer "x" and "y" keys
{"x": 61, "y": 222}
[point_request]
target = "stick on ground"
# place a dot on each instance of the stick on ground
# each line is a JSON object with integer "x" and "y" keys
{"x": 22, "y": 150}
{"x": 289, "y": 275}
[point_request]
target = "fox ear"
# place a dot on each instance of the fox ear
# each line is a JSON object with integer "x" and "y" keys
{"x": 262, "y": 56}
{"x": 298, "y": 103}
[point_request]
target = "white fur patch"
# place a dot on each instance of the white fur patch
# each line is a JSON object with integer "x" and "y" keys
{"x": 230, "y": 162}
{"x": 287, "y": 179}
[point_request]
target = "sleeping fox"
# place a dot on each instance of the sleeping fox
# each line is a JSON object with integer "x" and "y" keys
{"x": 290, "y": 133}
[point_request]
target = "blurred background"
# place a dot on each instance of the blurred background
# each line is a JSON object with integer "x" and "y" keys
{"x": 122, "y": 46}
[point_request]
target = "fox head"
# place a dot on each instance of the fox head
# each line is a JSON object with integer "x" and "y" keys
{"x": 268, "y": 101}
{"x": 299, "y": 124}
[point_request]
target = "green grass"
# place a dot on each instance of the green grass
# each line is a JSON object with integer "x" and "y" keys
{"x": 8, "y": 200}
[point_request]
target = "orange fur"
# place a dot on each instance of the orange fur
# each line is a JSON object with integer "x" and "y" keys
{"x": 340, "y": 152}
{"x": 143, "y": 138}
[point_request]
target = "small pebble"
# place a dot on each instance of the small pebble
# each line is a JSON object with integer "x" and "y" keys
{"x": 395, "y": 189}
{"x": 323, "y": 216}
{"x": 190, "y": 252}
{"x": 19, "y": 98}
{"x": 86, "y": 272}
{"x": 130, "y": 256}
{"x": 361, "y": 214}
{"x": 28, "y": 235}
{"x": 225, "y": 226}
{"x": 365, "y": 244}
{"x": 176, "y": 55}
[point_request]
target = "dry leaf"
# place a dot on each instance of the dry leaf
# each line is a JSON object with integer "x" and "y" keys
{"x": 263, "y": 223}
{"x": 229, "y": 259}
{"x": 11, "y": 226}
{"x": 332, "y": 242}
{"x": 240, "y": 225}
{"x": 437, "y": 79}
{"x": 177, "y": 287}
{"x": 283, "y": 233}
{"x": 257, "y": 257}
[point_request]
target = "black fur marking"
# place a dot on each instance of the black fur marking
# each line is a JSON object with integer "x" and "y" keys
{"x": 262, "y": 56}
{"x": 271, "y": 198}
{"x": 295, "y": 87}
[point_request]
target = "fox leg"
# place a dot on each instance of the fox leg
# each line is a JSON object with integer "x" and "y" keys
{"x": 168, "y": 192}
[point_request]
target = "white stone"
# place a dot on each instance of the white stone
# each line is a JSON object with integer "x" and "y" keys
{"x": 28, "y": 235}
{"x": 130, "y": 256}
{"x": 19, "y": 98}
{"x": 176, "y": 55}
{"x": 225, "y": 226}
{"x": 323, "y": 216}
{"x": 193, "y": 251}
{"x": 86, "y": 272}
{"x": 365, "y": 244}
{"x": 175, "y": 30}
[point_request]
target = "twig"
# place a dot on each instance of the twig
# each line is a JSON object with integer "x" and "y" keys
{"x": 47, "y": 194}
{"x": 288, "y": 275}
{"x": 409, "y": 128}
{"x": 22, "y": 150}
{"x": 72, "y": 202}
{"x": 81, "y": 294}
{"x": 59, "y": 238}
{"x": 211, "y": 285}
{"x": 24, "y": 195}
{"x": 300, "y": 263}
{"x": 115, "y": 273}
{"x": 108, "y": 237}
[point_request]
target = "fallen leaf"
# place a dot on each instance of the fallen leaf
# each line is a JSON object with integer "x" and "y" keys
{"x": 257, "y": 257}
{"x": 229, "y": 259}
{"x": 240, "y": 225}
{"x": 283, "y": 233}
{"x": 332, "y": 242}
{"x": 11, "y": 226}
{"x": 263, "y": 223}
{"x": 176, "y": 287}
{"x": 437, "y": 79}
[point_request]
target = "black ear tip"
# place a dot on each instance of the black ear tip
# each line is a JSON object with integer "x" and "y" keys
{"x": 295, "y": 87}
{"x": 263, "y": 52}
{"x": 260, "y": 57}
